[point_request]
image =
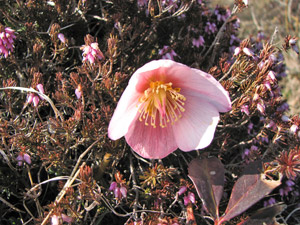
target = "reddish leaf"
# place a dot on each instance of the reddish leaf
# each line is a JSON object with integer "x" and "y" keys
{"x": 265, "y": 215}
{"x": 208, "y": 178}
{"x": 248, "y": 190}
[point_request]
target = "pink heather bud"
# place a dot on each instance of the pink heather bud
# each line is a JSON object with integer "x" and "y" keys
{"x": 186, "y": 200}
{"x": 248, "y": 52}
{"x": 66, "y": 218}
{"x": 123, "y": 191}
{"x": 237, "y": 51}
{"x": 117, "y": 193}
{"x": 35, "y": 100}
{"x": 27, "y": 158}
{"x": 78, "y": 92}
{"x": 61, "y": 37}
{"x": 55, "y": 220}
{"x": 182, "y": 190}
{"x": 30, "y": 98}
{"x": 192, "y": 197}
{"x": 20, "y": 159}
{"x": 294, "y": 128}
{"x": 113, "y": 186}
{"x": 41, "y": 89}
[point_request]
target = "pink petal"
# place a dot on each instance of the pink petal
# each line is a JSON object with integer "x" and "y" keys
{"x": 125, "y": 112}
{"x": 196, "y": 128}
{"x": 149, "y": 142}
{"x": 185, "y": 77}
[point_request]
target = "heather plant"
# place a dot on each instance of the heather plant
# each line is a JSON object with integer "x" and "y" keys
{"x": 65, "y": 66}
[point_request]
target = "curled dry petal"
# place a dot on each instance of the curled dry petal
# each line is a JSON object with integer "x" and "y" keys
{"x": 166, "y": 106}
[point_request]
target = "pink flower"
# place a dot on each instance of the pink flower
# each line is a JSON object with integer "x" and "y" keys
{"x": 61, "y": 37}
{"x": 7, "y": 36}
{"x": 35, "y": 99}
{"x": 91, "y": 52}
{"x": 23, "y": 157}
{"x": 78, "y": 91}
{"x": 198, "y": 42}
{"x": 189, "y": 198}
{"x": 166, "y": 106}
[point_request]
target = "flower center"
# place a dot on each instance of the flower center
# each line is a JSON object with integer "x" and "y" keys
{"x": 161, "y": 102}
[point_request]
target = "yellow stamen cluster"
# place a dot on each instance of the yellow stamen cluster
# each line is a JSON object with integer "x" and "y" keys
{"x": 161, "y": 102}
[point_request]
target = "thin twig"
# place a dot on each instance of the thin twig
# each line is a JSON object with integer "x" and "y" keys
{"x": 57, "y": 113}
{"x": 11, "y": 206}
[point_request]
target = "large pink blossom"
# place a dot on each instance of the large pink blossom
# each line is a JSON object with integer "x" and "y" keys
{"x": 166, "y": 106}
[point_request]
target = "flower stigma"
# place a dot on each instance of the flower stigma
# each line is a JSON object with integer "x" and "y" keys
{"x": 161, "y": 102}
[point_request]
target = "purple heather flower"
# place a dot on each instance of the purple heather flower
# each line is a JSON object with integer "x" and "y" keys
{"x": 61, "y": 37}
{"x": 167, "y": 53}
{"x": 283, "y": 107}
{"x": 272, "y": 125}
{"x": 91, "y": 53}
{"x": 23, "y": 157}
{"x": 41, "y": 89}
{"x": 182, "y": 190}
{"x": 198, "y": 42}
{"x": 35, "y": 99}
{"x": 245, "y": 109}
{"x": 270, "y": 201}
{"x": 113, "y": 185}
{"x": 210, "y": 28}
{"x": 120, "y": 191}
{"x": 189, "y": 198}
{"x": 7, "y": 36}
{"x": 123, "y": 191}
{"x": 285, "y": 118}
